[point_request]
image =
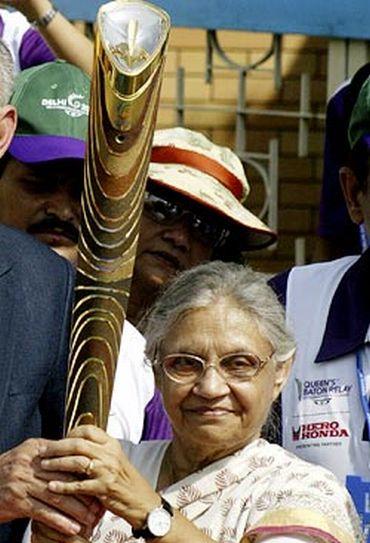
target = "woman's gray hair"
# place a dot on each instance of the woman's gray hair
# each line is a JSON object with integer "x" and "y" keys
{"x": 6, "y": 74}
{"x": 204, "y": 285}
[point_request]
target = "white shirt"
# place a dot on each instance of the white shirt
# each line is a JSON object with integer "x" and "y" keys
{"x": 133, "y": 387}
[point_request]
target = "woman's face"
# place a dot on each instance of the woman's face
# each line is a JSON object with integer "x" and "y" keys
{"x": 212, "y": 413}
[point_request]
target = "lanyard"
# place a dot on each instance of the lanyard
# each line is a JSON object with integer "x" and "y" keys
{"x": 362, "y": 386}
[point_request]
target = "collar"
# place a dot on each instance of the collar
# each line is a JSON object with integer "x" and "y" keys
{"x": 349, "y": 314}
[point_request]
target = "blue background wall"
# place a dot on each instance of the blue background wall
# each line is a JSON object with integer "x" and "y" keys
{"x": 341, "y": 18}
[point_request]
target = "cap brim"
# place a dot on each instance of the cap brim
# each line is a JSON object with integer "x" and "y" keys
{"x": 204, "y": 189}
{"x": 34, "y": 149}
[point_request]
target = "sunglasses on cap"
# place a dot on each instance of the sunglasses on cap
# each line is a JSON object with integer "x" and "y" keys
{"x": 202, "y": 227}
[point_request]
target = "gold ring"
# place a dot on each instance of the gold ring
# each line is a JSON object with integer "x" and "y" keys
{"x": 89, "y": 468}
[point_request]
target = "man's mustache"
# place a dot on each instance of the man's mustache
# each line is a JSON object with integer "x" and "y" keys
{"x": 54, "y": 224}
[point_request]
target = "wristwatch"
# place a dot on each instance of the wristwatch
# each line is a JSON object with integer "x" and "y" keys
{"x": 44, "y": 20}
{"x": 158, "y": 522}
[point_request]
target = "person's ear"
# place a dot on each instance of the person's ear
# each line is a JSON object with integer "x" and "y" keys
{"x": 282, "y": 373}
{"x": 351, "y": 191}
{"x": 8, "y": 123}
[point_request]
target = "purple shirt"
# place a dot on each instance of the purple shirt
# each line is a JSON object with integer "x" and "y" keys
{"x": 156, "y": 421}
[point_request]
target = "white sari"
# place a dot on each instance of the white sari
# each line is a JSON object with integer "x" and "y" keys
{"x": 258, "y": 492}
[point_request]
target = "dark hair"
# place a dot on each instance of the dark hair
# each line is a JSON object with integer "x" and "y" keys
{"x": 230, "y": 252}
{"x": 4, "y": 162}
{"x": 359, "y": 162}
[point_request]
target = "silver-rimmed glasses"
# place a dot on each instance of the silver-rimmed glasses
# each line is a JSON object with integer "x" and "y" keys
{"x": 237, "y": 367}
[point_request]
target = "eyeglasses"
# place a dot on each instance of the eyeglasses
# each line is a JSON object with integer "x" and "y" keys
{"x": 202, "y": 228}
{"x": 234, "y": 368}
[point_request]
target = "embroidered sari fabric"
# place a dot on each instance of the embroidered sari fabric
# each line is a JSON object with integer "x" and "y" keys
{"x": 261, "y": 490}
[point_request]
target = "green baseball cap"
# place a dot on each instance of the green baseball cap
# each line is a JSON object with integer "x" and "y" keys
{"x": 52, "y": 101}
{"x": 359, "y": 124}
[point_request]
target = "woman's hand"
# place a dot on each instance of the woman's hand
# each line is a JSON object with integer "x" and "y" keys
{"x": 24, "y": 492}
{"x": 104, "y": 471}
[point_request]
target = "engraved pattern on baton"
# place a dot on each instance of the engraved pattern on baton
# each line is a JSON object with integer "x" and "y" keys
{"x": 129, "y": 57}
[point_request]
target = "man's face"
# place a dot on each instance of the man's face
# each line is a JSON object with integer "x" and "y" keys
{"x": 44, "y": 201}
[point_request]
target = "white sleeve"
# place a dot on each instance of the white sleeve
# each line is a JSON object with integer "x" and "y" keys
{"x": 133, "y": 388}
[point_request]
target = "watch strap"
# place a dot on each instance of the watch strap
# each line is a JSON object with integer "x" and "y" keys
{"x": 144, "y": 532}
{"x": 44, "y": 20}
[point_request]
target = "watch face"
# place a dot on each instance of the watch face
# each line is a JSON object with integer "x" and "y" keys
{"x": 159, "y": 522}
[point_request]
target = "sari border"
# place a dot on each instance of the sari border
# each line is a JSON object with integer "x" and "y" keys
{"x": 299, "y": 520}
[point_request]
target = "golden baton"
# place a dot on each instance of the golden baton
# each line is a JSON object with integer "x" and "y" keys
{"x": 129, "y": 58}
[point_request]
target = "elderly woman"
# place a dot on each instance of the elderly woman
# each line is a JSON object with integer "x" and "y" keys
{"x": 221, "y": 353}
